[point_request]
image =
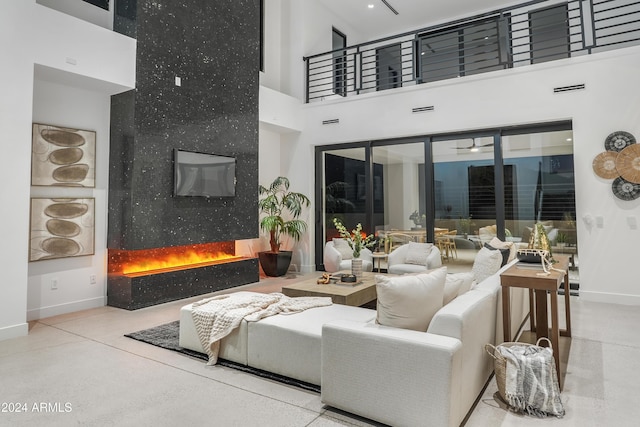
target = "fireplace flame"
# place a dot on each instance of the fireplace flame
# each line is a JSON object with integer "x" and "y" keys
{"x": 173, "y": 261}
{"x": 170, "y": 258}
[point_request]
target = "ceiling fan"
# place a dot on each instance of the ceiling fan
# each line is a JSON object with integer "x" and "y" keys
{"x": 474, "y": 147}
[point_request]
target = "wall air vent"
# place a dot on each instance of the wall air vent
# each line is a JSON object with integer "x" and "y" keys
{"x": 568, "y": 88}
{"x": 422, "y": 109}
{"x": 331, "y": 122}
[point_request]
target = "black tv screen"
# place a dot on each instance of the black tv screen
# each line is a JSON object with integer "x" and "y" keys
{"x": 203, "y": 175}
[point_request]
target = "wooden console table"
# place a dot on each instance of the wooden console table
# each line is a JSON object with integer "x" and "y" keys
{"x": 529, "y": 278}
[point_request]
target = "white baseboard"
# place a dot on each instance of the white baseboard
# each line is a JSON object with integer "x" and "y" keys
{"x": 14, "y": 331}
{"x": 56, "y": 310}
{"x": 609, "y": 298}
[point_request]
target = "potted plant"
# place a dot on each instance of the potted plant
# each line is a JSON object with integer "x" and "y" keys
{"x": 561, "y": 240}
{"x": 418, "y": 220}
{"x": 465, "y": 226}
{"x": 281, "y": 209}
{"x": 357, "y": 242}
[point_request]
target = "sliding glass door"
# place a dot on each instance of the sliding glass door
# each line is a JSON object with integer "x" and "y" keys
{"x": 465, "y": 194}
{"x": 542, "y": 166}
{"x": 400, "y": 208}
{"x": 344, "y": 189}
{"x": 458, "y": 189}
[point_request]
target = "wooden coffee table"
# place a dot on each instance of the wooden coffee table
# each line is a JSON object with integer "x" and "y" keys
{"x": 346, "y": 294}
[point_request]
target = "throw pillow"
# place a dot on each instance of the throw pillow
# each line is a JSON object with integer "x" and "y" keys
{"x": 452, "y": 286}
{"x": 513, "y": 250}
{"x": 487, "y": 263}
{"x": 342, "y": 246}
{"x": 504, "y": 252}
{"x": 467, "y": 281}
{"x": 410, "y": 302}
{"x": 417, "y": 253}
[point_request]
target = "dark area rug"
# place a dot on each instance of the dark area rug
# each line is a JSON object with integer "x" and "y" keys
{"x": 167, "y": 336}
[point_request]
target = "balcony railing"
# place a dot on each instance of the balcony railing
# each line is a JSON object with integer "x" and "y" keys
{"x": 530, "y": 33}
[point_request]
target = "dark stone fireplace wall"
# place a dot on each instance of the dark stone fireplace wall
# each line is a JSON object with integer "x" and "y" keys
{"x": 213, "y": 46}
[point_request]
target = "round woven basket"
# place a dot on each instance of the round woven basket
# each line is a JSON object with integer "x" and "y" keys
{"x": 500, "y": 362}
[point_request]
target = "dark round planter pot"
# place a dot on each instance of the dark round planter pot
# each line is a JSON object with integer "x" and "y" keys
{"x": 275, "y": 264}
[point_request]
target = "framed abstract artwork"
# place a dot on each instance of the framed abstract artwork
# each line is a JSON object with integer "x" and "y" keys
{"x": 61, "y": 228}
{"x": 63, "y": 157}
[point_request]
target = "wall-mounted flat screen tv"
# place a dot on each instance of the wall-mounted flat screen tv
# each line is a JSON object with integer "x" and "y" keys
{"x": 203, "y": 175}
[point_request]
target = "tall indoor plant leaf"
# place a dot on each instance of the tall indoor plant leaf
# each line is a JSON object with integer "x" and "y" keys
{"x": 282, "y": 209}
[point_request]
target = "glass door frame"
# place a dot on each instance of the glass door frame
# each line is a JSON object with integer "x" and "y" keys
{"x": 428, "y": 141}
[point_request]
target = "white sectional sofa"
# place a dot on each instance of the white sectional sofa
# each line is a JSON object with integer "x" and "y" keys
{"x": 287, "y": 345}
{"x": 391, "y": 375}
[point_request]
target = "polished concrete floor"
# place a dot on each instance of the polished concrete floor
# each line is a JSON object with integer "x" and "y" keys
{"x": 79, "y": 369}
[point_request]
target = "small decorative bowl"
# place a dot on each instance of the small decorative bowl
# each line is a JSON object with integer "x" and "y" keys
{"x": 348, "y": 278}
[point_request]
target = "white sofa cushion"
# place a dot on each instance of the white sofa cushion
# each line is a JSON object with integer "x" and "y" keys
{"x": 467, "y": 280}
{"x": 499, "y": 244}
{"x": 451, "y": 287}
{"x": 233, "y": 347}
{"x": 290, "y": 344}
{"x": 418, "y": 253}
{"x": 456, "y": 284}
{"x": 504, "y": 252}
{"x": 487, "y": 262}
{"x": 410, "y": 302}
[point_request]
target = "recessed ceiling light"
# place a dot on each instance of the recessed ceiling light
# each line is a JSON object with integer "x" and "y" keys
{"x": 371, "y": 6}
{"x": 569, "y": 139}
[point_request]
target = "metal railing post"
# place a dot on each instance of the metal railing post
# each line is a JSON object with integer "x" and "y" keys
{"x": 306, "y": 96}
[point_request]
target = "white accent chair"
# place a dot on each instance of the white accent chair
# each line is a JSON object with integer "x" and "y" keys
{"x": 397, "y": 261}
{"x": 333, "y": 260}
{"x": 487, "y": 233}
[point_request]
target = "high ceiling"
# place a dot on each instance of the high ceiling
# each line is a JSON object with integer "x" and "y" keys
{"x": 380, "y": 21}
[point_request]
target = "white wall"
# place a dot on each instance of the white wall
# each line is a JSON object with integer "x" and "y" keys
{"x": 66, "y": 106}
{"x": 525, "y": 95}
{"x": 273, "y": 52}
{"x": 83, "y": 10}
{"x": 306, "y": 29}
{"x": 33, "y": 34}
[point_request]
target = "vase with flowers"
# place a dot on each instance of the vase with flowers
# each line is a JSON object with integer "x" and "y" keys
{"x": 357, "y": 240}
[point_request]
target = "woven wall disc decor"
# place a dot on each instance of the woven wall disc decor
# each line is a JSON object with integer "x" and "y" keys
{"x": 628, "y": 163}
{"x": 621, "y": 162}
{"x": 618, "y": 141}
{"x": 625, "y": 190}
{"x": 604, "y": 164}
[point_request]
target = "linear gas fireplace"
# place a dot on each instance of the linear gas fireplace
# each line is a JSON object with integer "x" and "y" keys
{"x": 142, "y": 278}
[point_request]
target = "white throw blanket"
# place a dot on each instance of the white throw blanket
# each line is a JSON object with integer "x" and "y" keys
{"x": 217, "y": 317}
{"x": 531, "y": 381}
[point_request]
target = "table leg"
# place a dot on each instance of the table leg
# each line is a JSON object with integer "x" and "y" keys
{"x": 532, "y": 310}
{"x": 506, "y": 313}
{"x": 542, "y": 327}
{"x": 555, "y": 335}
{"x": 567, "y": 306}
